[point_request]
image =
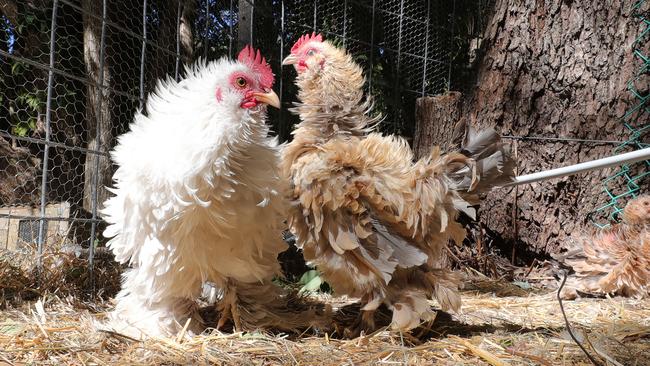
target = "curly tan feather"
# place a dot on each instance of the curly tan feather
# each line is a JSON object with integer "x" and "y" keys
{"x": 614, "y": 261}
{"x": 373, "y": 222}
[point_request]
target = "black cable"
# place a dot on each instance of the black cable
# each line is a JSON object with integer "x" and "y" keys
{"x": 568, "y": 326}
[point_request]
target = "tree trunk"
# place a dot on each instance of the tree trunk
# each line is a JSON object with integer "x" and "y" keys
{"x": 98, "y": 170}
{"x": 19, "y": 173}
{"x": 186, "y": 35}
{"x": 435, "y": 119}
{"x": 245, "y": 24}
{"x": 553, "y": 69}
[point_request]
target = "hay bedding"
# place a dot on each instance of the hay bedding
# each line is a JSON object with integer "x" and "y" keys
{"x": 521, "y": 330}
{"x": 500, "y": 323}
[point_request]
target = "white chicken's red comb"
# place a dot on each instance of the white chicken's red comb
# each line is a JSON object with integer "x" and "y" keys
{"x": 253, "y": 58}
{"x": 304, "y": 39}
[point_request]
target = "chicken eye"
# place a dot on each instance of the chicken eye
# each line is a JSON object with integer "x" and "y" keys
{"x": 241, "y": 82}
{"x": 311, "y": 52}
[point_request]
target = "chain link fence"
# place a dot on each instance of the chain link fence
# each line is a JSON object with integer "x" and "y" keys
{"x": 626, "y": 183}
{"x": 74, "y": 72}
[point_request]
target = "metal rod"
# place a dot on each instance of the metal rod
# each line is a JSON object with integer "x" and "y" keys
{"x": 561, "y": 139}
{"x": 372, "y": 46}
{"x": 451, "y": 41}
{"x": 281, "y": 121}
{"x": 345, "y": 21}
{"x": 398, "y": 117}
{"x": 230, "y": 21}
{"x": 52, "y": 144}
{"x": 252, "y": 21}
{"x": 98, "y": 141}
{"x": 46, "y": 152}
{"x": 315, "y": 7}
{"x": 399, "y": 37}
{"x": 178, "y": 40}
{"x": 48, "y": 218}
{"x": 144, "y": 51}
{"x": 207, "y": 30}
{"x": 616, "y": 160}
{"x": 426, "y": 49}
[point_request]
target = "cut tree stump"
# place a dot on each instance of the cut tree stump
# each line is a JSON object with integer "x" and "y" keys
{"x": 435, "y": 118}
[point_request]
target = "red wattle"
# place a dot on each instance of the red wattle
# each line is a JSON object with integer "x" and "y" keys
{"x": 249, "y": 103}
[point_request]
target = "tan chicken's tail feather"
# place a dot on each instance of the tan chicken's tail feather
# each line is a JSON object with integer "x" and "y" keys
{"x": 482, "y": 162}
{"x": 446, "y": 285}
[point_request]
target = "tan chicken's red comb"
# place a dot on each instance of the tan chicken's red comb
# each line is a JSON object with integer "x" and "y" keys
{"x": 304, "y": 39}
{"x": 253, "y": 58}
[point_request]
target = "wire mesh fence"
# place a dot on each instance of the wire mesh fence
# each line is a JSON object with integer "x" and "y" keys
{"x": 73, "y": 73}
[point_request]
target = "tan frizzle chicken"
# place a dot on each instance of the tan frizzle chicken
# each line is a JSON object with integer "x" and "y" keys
{"x": 373, "y": 222}
{"x": 614, "y": 261}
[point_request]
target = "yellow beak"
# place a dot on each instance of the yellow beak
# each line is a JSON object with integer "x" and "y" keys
{"x": 290, "y": 60}
{"x": 269, "y": 98}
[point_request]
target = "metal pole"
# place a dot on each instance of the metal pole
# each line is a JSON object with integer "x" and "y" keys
{"x": 46, "y": 148}
{"x": 398, "y": 121}
{"x": 144, "y": 50}
{"x": 616, "y": 160}
{"x": 282, "y": 124}
{"x": 372, "y": 47}
{"x": 451, "y": 41}
{"x": 426, "y": 48}
{"x": 207, "y": 30}
{"x": 178, "y": 40}
{"x": 315, "y": 7}
{"x": 230, "y": 26}
{"x": 252, "y": 16}
{"x": 345, "y": 22}
{"x": 95, "y": 183}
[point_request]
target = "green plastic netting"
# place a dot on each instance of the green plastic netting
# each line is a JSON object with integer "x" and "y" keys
{"x": 626, "y": 183}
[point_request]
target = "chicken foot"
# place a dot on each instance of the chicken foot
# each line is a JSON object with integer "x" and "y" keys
{"x": 229, "y": 309}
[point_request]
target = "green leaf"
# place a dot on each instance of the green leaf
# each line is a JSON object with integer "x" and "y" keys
{"x": 312, "y": 286}
{"x": 21, "y": 130}
{"x": 33, "y": 101}
{"x": 524, "y": 285}
{"x": 16, "y": 68}
{"x": 10, "y": 328}
{"x": 308, "y": 276}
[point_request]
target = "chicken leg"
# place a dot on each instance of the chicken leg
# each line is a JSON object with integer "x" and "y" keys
{"x": 228, "y": 308}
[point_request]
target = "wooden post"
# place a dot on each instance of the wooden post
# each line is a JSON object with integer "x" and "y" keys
{"x": 435, "y": 119}
{"x": 245, "y": 25}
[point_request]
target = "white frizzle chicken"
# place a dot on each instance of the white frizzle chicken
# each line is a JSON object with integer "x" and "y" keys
{"x": 197, "y": 196}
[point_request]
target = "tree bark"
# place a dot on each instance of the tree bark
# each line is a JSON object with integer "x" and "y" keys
{"x": 554, "y": 69}
{"x": 98, "y": 169}
{"x": 245, "y": 27}
{"x": 19, "y": 173}
{"x": 188, "y": 13}
{"x": 435, "y": 119}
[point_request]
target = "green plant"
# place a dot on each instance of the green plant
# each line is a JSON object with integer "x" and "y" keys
{"x": 312, "y": 282}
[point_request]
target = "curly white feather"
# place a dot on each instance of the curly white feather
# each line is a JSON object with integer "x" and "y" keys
{"x": 197, "y": 197}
